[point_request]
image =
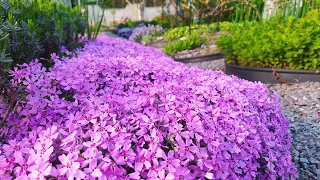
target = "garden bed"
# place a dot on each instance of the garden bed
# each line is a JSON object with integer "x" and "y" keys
{"x": 133, "y": 109}
{"x": 272, "y": 76}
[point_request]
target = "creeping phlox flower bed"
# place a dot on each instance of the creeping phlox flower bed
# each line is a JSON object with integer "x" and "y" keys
{"x": 118, "y": 110}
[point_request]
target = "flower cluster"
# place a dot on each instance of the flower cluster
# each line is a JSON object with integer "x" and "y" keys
{"x": 139, "y": 32}
{"x": 118, "y": 110}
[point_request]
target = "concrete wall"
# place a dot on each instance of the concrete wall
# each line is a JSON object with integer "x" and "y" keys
{"x": 128, "y": 12}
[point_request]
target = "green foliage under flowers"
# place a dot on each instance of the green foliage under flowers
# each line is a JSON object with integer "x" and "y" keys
{"x": 38, "y": 28}
{"x": 5, "y": 62}
{"x": 148, "y": 38}
{"x": 191, "y": 42}
{"x": 290, "y": 43}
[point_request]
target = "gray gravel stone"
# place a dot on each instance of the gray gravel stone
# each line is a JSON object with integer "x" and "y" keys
{"x": 304, "y": 160}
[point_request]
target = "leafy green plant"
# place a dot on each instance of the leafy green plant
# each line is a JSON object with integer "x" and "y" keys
{"x": 147, "y": 39}
{"x": 93, "y": 28}
{"x": 296, "y": 8}
{"x": 176, "y": 33}
{"x": 191, "y": 42}
{"x": 290, "y": 43}
{"x": 36, "y": 29}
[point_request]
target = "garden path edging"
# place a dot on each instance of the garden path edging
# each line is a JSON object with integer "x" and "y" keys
{"x": 272, "y": 76}
{"x": 198, "y": 59}
{"x": 158, "y": 44}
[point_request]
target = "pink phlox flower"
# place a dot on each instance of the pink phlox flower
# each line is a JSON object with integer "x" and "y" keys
{"x": 94, "y": 107}
{"x": 203, "y": 159}
{"x": 162, "y": 175}
{"x": 170, "y": 162}
{"x": 146, "y": 121}
{"x": 71, "y": 138}
{"x": 271, "y": 160}
{"x": 18, "y": 149}
{"x": 187, "y": 148}
{"x": 153, "y": 138}
{"x": 44, "y": 149}
{"x": 123, "y": 155}
{"x": 169, "y": 101}
{"x": 183, "y": 173}
{"x": 73, "y": 121}
{"x": 24, "y": 166}
{"x": 40, "y": 171}
{"x": 142, "y": 162}
{"x": 93, "y": 169}
{"x": 96, "y": 140}
{"x": 91, "y": 157}
{"x": 54, "y": 57}
{"x": 37, "y": 106}
{"x": 70, "y": 167}
{"x": 17, "y": 74}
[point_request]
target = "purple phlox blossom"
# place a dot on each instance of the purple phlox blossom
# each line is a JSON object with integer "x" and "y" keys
{"x": 40, "y": 171}
{"x": 203, "y": 160}
{"x": 142, "y": 161}
{"x": 70, "y": 167}
{"x": 90, "y": 157}
{"x": 170, "y": 162}
{"x": 43, "y": 150}
{"x": 132, "y": 112}
{"x": 17, "y": 149}
{"x": 163, "y": 176}
{"x": 54, "y": 57}
{"x": 270, "y": 160}
{"x": 186, "y": 148}
{"x": 93, "y": 169}
{"x": 73, "y": 121}
{"x": 183, "y": 173}
{"x": 123, "y": 155}
{"x": 168, "y": 102}
{"x": 24, "y": 166}
{"x": 96, "y": 140}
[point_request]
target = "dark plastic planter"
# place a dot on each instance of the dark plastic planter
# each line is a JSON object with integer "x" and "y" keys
{"x": 272, "y": 76}
{"x": 199, "y": 59}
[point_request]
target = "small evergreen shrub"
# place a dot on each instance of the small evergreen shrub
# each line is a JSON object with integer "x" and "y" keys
{"x": 36, "y": 29}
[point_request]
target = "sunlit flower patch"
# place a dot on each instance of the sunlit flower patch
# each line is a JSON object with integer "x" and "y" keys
{"x": 119, "y": 110}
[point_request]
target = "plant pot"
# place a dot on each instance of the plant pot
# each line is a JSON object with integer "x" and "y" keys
{"x": 272, "y": 76}
{"x": 199, "y": 59}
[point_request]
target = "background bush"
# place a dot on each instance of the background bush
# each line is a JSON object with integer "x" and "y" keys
{"x": 290, "y": 43}
{"x": 191, "y": 42}
{"x": 38, "y": 28}
{"x": 176, "y": 33}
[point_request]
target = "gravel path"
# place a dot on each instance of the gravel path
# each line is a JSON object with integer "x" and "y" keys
{"x": 301, "y": 105}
